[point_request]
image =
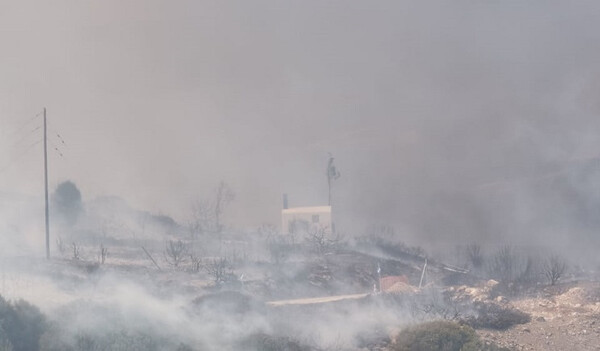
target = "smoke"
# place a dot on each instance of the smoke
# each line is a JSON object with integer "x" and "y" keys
{"x": 454, "y": 123}
{"x": 113, "y": 307}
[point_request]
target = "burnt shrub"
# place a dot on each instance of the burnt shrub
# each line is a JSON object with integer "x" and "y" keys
{"x": 21, "y": 325}
{"x": 120, "y": 341}
{"x": 228, "y": 302}
{"x": 124, "y": 340}
{"x": 494, "y": 316}
{"x": 441, "y": 336}
{"x": 265, "y": 342}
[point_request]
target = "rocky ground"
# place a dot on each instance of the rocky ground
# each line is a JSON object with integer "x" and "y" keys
{"x": 563, "y": 317}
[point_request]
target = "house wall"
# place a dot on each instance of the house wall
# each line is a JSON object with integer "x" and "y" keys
{"x": 305, "y": 218}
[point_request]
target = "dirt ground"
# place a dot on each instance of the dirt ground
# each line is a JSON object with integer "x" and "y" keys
{"x": 563, "y": 317}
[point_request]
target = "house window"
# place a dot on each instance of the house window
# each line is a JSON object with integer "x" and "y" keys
{"x": 315, "y": 218}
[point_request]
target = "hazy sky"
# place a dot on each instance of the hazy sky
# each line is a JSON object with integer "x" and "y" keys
{"x": 446, "y": 118}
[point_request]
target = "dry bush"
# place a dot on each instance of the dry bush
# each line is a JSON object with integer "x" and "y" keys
{"x": 265, "y": 342}
{"x": 391, "y": 246}
{"x": 474, "y": 255}
{"x": 431, "y": 304}
{"x": 220, "y": 270}
{"x": 124, "y": 340}
{"x": 280, "y": 248}
{"x": 227, "y": 303}
{"x": 512, "y": 268}
{"x": 196, "y": 263}
{"x": 554, "y": 268}
{"x": 175, "y": 252}
{"x": 494, "y": 316}
{"x": 323, "y": 243}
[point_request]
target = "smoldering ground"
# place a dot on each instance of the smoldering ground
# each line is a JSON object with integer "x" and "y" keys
{"x": 116, "y": 307}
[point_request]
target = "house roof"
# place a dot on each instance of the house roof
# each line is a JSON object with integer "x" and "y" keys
{"x": 308, "y": 209}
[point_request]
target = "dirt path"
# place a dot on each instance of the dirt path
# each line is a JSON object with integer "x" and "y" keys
{"x": 314, "y": 300}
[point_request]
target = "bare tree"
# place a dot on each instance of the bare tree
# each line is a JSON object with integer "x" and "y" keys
{"x": 196, "y": 263}
{"x": 224, "y": 195}
{"x": 503, "y": 264}
{"x": 201, "y": 217}
{"x": 511, "y": 266}
{"x": 554, "y": 268}
{"x": 103, "y": 254}
{"x": 175, "y": 252}
{"x": 219, "y": 269}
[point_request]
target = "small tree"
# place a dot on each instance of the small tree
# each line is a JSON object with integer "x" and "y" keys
{"x": 175, "y": 252}
{"x": 554, "y": 268}
{"x": 321, "y": 242}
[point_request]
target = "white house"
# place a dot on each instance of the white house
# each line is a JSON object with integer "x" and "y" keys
{"x": 303, "y": 219}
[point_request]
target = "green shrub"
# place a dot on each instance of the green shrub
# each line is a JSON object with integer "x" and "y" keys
{"x": 441, "y": 336}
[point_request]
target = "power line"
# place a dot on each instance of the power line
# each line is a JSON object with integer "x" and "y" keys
{"x": 25, "y": 124}
{"x": 24, "y": 137}
{"x": 17, "y": 158}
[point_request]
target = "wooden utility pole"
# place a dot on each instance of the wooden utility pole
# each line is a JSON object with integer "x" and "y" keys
{"x": 46, "y": 188}
{"x": 423, "y": 274}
